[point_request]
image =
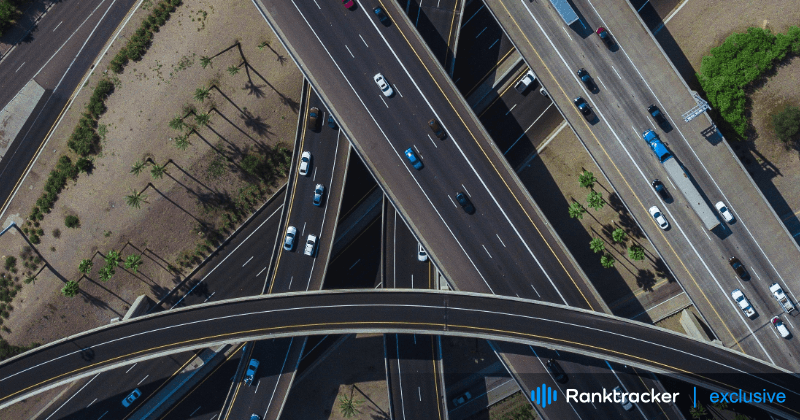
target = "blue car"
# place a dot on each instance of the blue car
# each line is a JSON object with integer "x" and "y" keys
{"x": 381, "y": 16}
{"x": 412, "y": 157}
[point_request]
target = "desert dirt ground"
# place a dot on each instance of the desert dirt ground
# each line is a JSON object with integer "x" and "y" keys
{"x": 701, "y": 25}
{"x": 251, "y": 111}
{"x": 356, "y": 366}
{"x": 552, "y": 179}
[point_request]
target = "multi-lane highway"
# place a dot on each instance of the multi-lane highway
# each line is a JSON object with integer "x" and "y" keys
{"x": 396, "y": 311}
{"x": 630, "y": 76}
{"x": 295, "y": 271}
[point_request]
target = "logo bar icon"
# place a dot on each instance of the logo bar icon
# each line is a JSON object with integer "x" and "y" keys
{"x": 544, "y": 395}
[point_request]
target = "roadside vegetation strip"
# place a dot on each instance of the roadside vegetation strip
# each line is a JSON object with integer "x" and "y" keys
{"x": 140, "y": 41}
{"x": 9, "y": 12}
{"x": 736, "y": 64}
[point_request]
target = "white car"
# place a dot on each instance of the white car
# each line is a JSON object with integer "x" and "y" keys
{"x": 422, "y": 255}
{"x": 743, "y": 303}
{"x": 131, "y": 397}
{"x": 782, "y": 330}
{"x": 383, "y": 85}
{"x": 659, "y": 218}
{"x": 311, "y": 245}
{"x": 288, "y": 242}
{"x": 461, "y": 399}
{"x": 626, "y": 404}
{"x": 319, "y": 190}
{"x": 305, "y": 163}
{"x": 723, "y": 210}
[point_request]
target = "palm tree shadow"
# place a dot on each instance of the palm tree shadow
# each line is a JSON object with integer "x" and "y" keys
{"x": 150, "y": 185}
{"x": 256, "y": 141}
{"x": 257, "y": 124}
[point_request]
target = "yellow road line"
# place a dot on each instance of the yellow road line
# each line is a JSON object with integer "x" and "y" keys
{"x": 294, "y": 190}
{"x": 624, "y": 180}
{"x": 491, "y": 163}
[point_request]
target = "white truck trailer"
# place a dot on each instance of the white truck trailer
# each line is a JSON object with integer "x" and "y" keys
{"x": 681, "y": 180}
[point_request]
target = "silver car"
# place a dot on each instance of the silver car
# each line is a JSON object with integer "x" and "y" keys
{"x": 288, "y": 241}
{"x": 311, "y": 245}
{"x": 319, "y": 191}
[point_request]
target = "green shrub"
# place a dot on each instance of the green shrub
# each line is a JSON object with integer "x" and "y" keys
{"x": 11, "y": 262}
{"x": 738, "y": 62}
{"x": 84, "y": 165}
{"x": 786, "y": 123}
{"x": 119, "y": 61}
{"x": 72, "y": 221}
{"x": 34, "y": 238}
{"x": 8, "y": 13}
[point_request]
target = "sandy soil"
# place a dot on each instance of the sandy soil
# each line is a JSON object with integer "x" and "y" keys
{"x": 252, "y": 110}
{"x": 552, "y": 179}
{"x": 356, "y": 366}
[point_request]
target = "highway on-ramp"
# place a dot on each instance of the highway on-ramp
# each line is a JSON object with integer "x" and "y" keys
{"x": 383, "y": 311}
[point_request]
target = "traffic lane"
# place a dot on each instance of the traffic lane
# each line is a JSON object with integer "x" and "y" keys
{"x": 246, "y": 257}
{"x": 204, "y": 400}
{"x": 556, "y": 264}
{"x": 293, "y": 268}
{"x": 626, "y": 84}
{"x": 521, "y": 123}
{"x": 407, "y": 272}
{"x": 481, "y": 46}
{"x": 60, "y": 78}
{"x": 99, "y": 398}
{"x": 277, "y": 360}
{"x": 412, "y": 361}
{"x": 436, "y": 24}
{"x": 63, "y": 29}
{"x": 477, "y": 250}
{"x": 332, "y": 203}
{"x": 319, "y": 313}
{"x": 221, "y": 282}
{"x": 458, "y": 111}
{"x": 634, "y": 380}
{"x": 358, "y": 265}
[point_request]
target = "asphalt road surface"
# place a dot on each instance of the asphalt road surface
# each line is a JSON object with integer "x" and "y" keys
{"x": 396, "y": 311}
{"x": 630, "y": 76}
{"x": 57, "y": 55}
{"x": 237, "y": 270}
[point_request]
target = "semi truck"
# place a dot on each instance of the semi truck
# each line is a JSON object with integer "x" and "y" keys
{"x": 565, "y": 10}
{"x": 776, "y": 290}
{"x": 681, "y": 180}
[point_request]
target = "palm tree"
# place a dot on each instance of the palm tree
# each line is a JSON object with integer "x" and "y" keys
{"x": 205, "y": 61}
{"x": 202, "y": 119}
{"x": 135, "y": 199}
{"x": 636, "y": 253}
{"x": 233, "y": 70}
{"x": 176, "y": 123}
{"x": 158, "y": 171}
{"x": 698, "y": 412}
{"x": 607, "y": 261}
{"x": 113, "y": 258}
{"x": 85, "y": 266}
{"x": 595, "y": 200}
{"x": 587, "y": 179}
{"x": 619, "y": 235}
{"x": 182, "y": 142}
{"x": 597, "y": 245}
{"x": 263, "y": 44}
{"x": 137, "y": 167}
{"x": 201, "y": 93}
{"x": 132, "y": 262}
{"x": 349, "y": 406}
{"x": 70, "y": 289}
{"x": 576, "y": 210}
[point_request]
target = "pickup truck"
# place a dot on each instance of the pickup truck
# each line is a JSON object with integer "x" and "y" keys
{"x": 776, "y": 290}
{"x": 526, "y": 82}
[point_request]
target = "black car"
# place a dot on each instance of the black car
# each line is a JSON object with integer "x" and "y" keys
{"x": 466, "y": 204}
{"x": 657, "y": 115}
{"x": 738, "y": 268}
{"x": 583, "y": 107}
{"x": 587, "y": 80}
{"x": 605, "y": 36}
{"x": 661, "y": 190}
{"x": 381, "y": 16}
{"x": 437, "y": 129}
{"x": 558, "y": 373}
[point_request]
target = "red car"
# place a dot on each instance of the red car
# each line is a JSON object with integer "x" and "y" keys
{"x": 348, "y": 3}
{"x": 605, "y": 36}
